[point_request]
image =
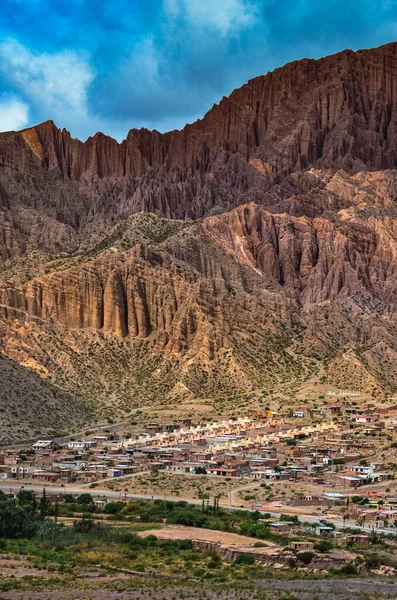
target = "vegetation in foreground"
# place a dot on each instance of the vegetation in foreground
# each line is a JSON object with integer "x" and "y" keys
{"x": 63, "y": 557}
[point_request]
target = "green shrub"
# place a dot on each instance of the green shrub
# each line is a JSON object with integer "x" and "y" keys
{"x": 112, "y": 508}
{"x": 245, "y": 559}
{"x": 305, "y": 557}
{"x": 323, "y": 546}
{"x": 84, "y": 499}
{"x": 215, "y": 561}
{"x": 349, "y": 569}
{"x": 372, "y": 561}
{"x": 189, "y": 518}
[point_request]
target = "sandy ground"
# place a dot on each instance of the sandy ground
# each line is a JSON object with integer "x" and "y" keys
{"x": 181, "y": 486}
{"x": 175, "y": 532}
{"x": 20, "y": 567}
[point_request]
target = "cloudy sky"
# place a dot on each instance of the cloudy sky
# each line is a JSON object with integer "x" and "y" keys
{"x": 111, "y": 65}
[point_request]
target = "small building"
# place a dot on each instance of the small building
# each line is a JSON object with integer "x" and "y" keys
{"x": 81, "y": 445}
{"x": 362, "y": 469}
{"x": 324, "y": 531}
{"x": 365, "y": 419}
{"x": 281, "y": 526}
{"x": 266, "y": 474}
{"x": 298, "y": 414}
{"x": 334, "y": 496}
{"x": 221, "y": 472}
{"x": 100, "y": 503}
{"x": 350, "y": 481}
{"x": 301, "y": 545}
{"x": 45, "y": 445}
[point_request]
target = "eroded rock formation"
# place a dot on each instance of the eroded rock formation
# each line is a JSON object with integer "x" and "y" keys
{"x": 275, "y": 238}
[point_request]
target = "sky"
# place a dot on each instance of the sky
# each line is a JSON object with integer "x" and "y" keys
{"x": 110, "y": 65}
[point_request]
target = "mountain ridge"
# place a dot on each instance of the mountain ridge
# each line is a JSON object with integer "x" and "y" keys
{"x": 249, "y": 256}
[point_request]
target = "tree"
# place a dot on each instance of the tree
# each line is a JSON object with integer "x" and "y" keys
{"x": 200, "y": 471}
{"x": 27, "y": 498}
{"x": 113, "y": 508}
{"x": 44, "y": 505}
{"x": 16, "y": 520}
{"x": 84, "y": 499}
{"x": 216, "y": 503}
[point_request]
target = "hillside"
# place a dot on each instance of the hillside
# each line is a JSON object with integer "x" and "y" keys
{"x": 248, "y": 259}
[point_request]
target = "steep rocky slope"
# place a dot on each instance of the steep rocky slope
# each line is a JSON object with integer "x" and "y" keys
{"x": 269, "y": 261}
{"x": 58, "y": 193}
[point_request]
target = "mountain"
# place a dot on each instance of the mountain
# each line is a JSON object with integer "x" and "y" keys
{"x": 249, "y": 258}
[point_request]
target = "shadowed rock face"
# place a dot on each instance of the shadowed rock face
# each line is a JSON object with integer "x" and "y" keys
{"x": 275, "y": 217}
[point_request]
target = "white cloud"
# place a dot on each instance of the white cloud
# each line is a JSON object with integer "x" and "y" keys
{"x": 59, "y": 80}
{"x": 226, "y": 16}
{"x": 54, "y": 85}
{"x": 13, "y": 114}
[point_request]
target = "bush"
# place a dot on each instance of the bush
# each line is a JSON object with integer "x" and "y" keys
{"x": 189, "y": 518}
{"x": 356, "y": 499}
{"x": 112, "y": 508}
{"x": 291, "y": 442}
{"x": 290, "y": 518}
{"x": 49, "y": 530}
{"x": 83, "y": 526}
{"x": 215, "y": 561}
{"x": 372, "y": 561}
{"x": 305, "y": 557}
{"x": 349, "y": 569}
{"x": 323, "y": 546}
{"x": 245, "y": 559}
{"x": 185, "y": 544}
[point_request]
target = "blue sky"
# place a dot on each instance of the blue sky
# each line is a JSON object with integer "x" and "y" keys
{"x": 111, "y": 65}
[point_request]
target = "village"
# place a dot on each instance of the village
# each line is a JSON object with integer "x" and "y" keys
{"x": 308, "y": 491}
{"x": 336, "y": 460}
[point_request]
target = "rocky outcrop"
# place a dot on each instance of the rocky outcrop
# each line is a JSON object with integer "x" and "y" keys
{"x": 178, "y": 293}
{"x": 191, "y": 285}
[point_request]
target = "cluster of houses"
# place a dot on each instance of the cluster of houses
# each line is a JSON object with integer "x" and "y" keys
{"x": 269, "y": 446}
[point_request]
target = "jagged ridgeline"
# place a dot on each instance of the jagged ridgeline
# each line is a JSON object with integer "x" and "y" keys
{"x": 250, "y": 254}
